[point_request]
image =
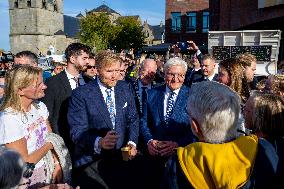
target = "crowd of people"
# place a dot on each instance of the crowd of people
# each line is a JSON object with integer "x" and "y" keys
{"x": 184, "y": 124}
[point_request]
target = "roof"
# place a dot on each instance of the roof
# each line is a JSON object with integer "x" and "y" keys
{"x": 134, "y": 16}
{"x": 71, "y": 26}
{"x": 157, "y": 31}
{"x": 80, "y": 15}
{"x": 157, "y": 48}
{"x": 103, "y": 8}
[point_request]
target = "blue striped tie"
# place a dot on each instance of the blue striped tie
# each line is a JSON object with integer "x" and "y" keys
{"x": 110, "y": 107}
{"x": 170, "y": 106}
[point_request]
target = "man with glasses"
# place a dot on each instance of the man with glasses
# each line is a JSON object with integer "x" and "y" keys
{"x": 91, "y": 71}
{"x": 165, "y": 124}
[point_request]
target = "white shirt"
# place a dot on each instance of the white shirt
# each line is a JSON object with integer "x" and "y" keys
{"x": 30, "y": 125}
{"x": 103, "y": 90}
{"x": 167, "y": 95}
{"x": 72, "y": 82}
{"x": 210, "y": 78}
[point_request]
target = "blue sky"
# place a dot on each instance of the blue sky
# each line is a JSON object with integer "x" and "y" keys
{"x": 151, "y": 10}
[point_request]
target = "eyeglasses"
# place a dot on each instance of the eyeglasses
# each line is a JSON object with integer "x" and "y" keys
{"x": 90, "y": 67}
{"x": 172, "y": 75}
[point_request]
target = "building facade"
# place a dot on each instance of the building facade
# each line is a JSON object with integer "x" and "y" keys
{"x": 187, "y": 20}
{"x": 248, "y": 15}
{"x": 36, "y": 25}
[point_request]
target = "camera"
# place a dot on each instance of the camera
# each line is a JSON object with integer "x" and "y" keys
{"x": 6, "y": 57}
{"x": 183, "y": 45}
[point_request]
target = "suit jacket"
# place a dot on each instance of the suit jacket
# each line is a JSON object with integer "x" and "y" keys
{"x": 134, "y": 87}
{"x": 56, "y": 99}
{"x": 89, "y": 118}
{"x": 152, "y": 124}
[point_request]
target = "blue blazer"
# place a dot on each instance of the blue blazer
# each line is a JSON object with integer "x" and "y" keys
{"x": 152, "y": 123}
{"x": 88, "y": 118}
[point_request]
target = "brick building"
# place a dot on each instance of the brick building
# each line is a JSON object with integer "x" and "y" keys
{"x": 187, "y": 20}
{"x": 248, "y": 15}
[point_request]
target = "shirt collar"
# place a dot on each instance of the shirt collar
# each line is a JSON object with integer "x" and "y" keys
{"x": 70, "y": 76}
{"x": 102, "y": 86}
{"x": 140, "y": 85}
{"x": 168, "y": 90}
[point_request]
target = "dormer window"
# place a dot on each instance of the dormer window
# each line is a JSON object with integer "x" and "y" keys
{"x": 55, "y": 7}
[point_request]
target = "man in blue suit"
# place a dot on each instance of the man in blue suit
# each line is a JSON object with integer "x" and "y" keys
{"x": 103, "y": 119}
{"x": 165, "y": 124}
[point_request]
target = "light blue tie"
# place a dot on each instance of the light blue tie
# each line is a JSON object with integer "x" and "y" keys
{"x": 110, "y": 107}
{"x": 170, "y": 106}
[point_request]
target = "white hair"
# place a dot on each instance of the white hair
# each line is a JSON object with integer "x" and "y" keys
{"x": 152, "y": 61}
{"x": 215, "y": 108}
{"x": 175, "y": 61}
{"x": 11, "y": 168}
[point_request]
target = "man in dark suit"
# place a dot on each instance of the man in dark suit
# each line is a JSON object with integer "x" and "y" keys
{"x": 165, "y": 124}
{"x": 208, "y": 68}
{"x": 103, "y": 119}
{"x": 145, "y": 82}
{"x": 60, "y": 86}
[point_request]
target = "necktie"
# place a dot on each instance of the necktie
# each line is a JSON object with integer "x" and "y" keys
{"x": 170, "y": 106}
{"x": 110, "y": 107}
{"x": 143, "y": 98}
{"x": 76, "y": 79}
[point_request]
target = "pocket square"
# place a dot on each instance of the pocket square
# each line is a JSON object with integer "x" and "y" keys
{"x": 125, "y": 105}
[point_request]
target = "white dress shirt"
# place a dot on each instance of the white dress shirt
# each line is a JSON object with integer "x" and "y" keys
{"x": 72, "y": 82}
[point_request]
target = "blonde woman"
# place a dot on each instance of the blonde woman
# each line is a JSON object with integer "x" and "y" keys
{"x": 23, "y": 122}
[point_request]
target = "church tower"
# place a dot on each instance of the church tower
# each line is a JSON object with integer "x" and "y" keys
{"x": 35, "y": 25}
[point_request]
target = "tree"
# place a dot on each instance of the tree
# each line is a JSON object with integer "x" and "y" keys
{"x": 96, "y": 30}
{"x": 129, "y": 34}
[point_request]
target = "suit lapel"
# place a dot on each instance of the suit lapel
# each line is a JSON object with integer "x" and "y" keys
{"x": 65, "y": 83}
{"x": 119, "y": 103}
{"x": 101, "y": 105}
{"x": 179, "y": 101}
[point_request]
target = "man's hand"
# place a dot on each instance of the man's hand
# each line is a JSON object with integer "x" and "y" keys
{"x": 109, "y": 141}
{"x": 167, "y": 148}
{"x": 152, "y": 147}
{"x": 133, "y": 151}
{"x": 192, "y": 45}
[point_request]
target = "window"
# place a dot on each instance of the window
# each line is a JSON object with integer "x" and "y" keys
{"x": 44, "y": 4}
{"x": 176, "y": 22}
{"x": 16, "y": 4}
{"x": 29, "y": 3}
{"x": 205, "y": 25}
{"x": 191, "y": 22}
{"x": 55, "y": 7}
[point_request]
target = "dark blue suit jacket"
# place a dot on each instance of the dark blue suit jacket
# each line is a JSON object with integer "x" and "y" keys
{"x": 88, "y": 118}
{"x": 152, "y": 124}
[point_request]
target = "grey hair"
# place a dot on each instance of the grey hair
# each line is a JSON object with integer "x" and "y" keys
{"x": 11, "y": 168}
{"x": 175, "y": 61}
{"x": 215, "y": 107}
{"x": 147, "y": 60}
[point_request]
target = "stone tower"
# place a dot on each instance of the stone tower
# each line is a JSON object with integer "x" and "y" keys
{"x": 36, "y": 24}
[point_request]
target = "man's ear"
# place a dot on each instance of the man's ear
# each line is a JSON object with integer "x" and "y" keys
{"x": 72, "y": 59}
{"x": 196, "y": 129}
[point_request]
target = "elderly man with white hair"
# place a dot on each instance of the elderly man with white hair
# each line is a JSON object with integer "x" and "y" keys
{"x": 165, "y": 123}
{"x": 221, "y": 158}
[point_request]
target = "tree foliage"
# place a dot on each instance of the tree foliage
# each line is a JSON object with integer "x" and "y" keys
{"x": 97, "y": 31}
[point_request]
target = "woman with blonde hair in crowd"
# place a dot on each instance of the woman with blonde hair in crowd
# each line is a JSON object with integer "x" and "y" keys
{"x": 231, "y": 73}
{"x": 264, "y": 115}
{"x": 24, "y": 126}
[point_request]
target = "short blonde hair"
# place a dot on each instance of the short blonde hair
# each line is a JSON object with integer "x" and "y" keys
{"x": 106, "y": 58}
